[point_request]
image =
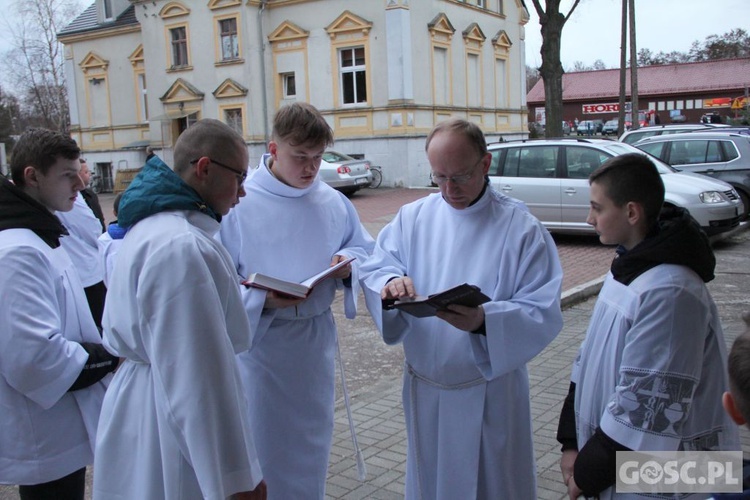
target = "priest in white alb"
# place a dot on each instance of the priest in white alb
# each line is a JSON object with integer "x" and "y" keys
{"x": 466, "y": 388}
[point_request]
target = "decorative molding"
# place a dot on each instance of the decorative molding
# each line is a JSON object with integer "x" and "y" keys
{"x": 286, "y": 32}
{"x": 397, "y": 4}
{"x": 348, "y": 24}
{"x": 93, "y": 61}
{"x": 181, "y": 91}
{"x": 229, "y": 88}
{"x": 440, "y": 26}
{"x": 473, "y": 34}
{"x": 502, "y": 43}
{"x": 173, "y": 9}
{"x": 223, "y": 4}
{"x": 136, "y": 57}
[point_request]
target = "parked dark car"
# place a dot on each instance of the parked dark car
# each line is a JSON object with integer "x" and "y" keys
{"x": 590, "y": 126}
{"x": 610, "y": 127}
{"x": 721, "y": 155}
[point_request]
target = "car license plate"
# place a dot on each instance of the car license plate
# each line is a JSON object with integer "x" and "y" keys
{"x": 361, "y": 180}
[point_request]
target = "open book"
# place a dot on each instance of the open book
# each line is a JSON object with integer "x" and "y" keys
{"x": 290, "y": 288}
{"x": 422, "y": 307}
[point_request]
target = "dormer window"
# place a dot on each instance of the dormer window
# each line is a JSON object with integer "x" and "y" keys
{"x": 107, "y": 10}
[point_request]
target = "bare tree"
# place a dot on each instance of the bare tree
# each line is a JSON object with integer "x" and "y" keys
{"x": 532, "y": 76}
{"x": 35, "y": 64}
{"x": 552, "y": 22}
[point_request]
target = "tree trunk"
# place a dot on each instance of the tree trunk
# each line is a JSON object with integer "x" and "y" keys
{"x": 551, "y": 71}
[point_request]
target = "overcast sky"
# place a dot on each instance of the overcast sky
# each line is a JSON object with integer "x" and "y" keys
{"x": 593, "y": 31}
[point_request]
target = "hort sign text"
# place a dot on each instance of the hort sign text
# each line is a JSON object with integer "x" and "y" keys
{"x": 613, "y": 107}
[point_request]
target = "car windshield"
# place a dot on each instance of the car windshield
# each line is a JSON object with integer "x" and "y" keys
{"x": 618, "y": 148}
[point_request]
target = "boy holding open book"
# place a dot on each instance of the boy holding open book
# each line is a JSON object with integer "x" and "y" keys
{"x": 291, "y": 226}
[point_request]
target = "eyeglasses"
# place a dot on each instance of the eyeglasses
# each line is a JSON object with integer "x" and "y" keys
{"x": 459, "y": 180}
{"x": 241, "y": 176}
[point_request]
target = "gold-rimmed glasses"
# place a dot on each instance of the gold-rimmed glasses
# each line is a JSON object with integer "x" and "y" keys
{"x": 456, "y": 179}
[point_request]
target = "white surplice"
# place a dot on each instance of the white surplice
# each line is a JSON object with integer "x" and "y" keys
{"x": 466, "y": 396}
{"x": 174, "y": 423}
{"x": 293, "y": 234}
{"x": 46, "y": 432}
{"x": 81, "y": 244}
{"x": 652, "y": 368}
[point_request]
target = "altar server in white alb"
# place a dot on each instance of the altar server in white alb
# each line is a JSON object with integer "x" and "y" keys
{"x": 651, "y": 371}
{"x": 466, "y": 389}
{"x": 84, "y": 228}
{"x": 174, "y": 423}
{"x": 291, "y": 225}
{"x": 53, "y": 368}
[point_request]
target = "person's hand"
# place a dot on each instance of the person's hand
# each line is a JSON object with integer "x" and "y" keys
{"x": 464, "y": 318}
{"x": 276, "y": 300}
{"x": 397, "y": 288}
{"x": 573, "y": 490}
{"x": 259, "y": 493}
{"x": 342, "y": 273}
{"x": 567, "y": 461}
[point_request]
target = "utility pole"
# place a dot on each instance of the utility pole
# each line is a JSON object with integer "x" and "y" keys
{"x": 633, "y": 69}
{"x": 623, "y": 69}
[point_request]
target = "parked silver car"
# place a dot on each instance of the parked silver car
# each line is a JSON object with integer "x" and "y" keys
{"x": 343, "y": 172}
{"x": 713, "y": 152}
{"x": 551, "y": 177}
{"x": 633, "y": 136}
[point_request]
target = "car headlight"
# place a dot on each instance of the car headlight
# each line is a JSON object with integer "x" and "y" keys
{"x": 711, "y": 197}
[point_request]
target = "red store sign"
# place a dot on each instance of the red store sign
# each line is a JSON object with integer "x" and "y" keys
{"x": 591, "y": 109}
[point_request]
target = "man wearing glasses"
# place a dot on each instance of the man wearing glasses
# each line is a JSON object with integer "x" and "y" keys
{"x": 466, "y": 389}
{"x": 175, "y": 423}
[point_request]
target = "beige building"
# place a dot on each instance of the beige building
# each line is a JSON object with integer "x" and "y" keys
{"x": 383, "y": 73}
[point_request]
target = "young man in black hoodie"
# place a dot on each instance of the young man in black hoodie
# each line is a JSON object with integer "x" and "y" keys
{"x": 652, "y": 366}
{"x": 52, "y": 363}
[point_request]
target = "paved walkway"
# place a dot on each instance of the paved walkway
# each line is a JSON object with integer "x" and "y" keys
{"x": 373, "y": 369}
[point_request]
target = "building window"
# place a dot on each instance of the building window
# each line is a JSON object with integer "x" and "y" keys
{"x": 290, "y": 85}
{"x": 142, "y": 100}
{"x": 442, "y": 80}
{"x": 233, "y": 118}
{"x": 473, "y": 80}
{"x": 230, "y": 47}
{"x": 353, "y": 75}
{"x": 107, "y": 6}
{"x": 178, "y": 37}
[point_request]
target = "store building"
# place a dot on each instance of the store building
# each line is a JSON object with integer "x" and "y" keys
{"x": 676, "y": 92}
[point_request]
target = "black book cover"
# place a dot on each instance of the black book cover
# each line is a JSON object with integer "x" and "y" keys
{"x": 423, "y": 307}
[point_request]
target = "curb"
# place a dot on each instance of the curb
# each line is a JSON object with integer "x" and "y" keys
{"x": 582, "y": 292}
{"x": 586, "y": 290}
